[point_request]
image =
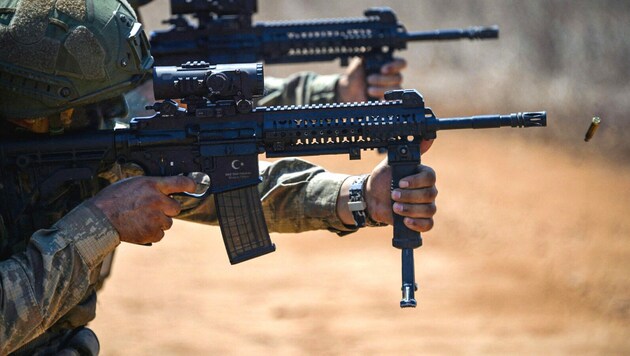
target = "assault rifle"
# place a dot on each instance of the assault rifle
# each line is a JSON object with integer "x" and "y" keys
{"x": 225, "y": 33}
{"x": 221, "y": 134}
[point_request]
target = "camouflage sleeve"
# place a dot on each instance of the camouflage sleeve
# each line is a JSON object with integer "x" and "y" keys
{"x": 43, "y": 283}
{"x": 302, "y": 88}
{"x": 296, "y": 196}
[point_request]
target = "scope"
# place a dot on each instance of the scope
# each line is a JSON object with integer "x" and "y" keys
{"x": 215, "y": 81}
{"x": 217, "y": 7}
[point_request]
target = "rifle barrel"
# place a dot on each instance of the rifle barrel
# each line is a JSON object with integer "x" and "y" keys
{"x": 521, "y": 119}
{"x": 475, "y": 32}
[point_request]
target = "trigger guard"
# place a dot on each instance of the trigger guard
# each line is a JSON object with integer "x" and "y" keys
{"x": 202, "y": 186}
{"x": 195, "y": 195}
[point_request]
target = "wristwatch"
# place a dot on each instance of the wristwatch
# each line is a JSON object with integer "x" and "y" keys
{"x": 357, "y": 204}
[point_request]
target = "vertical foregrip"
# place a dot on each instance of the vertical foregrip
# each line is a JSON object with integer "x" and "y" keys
{"x": 243, "y": 224}
{"x": 405, "y": 238}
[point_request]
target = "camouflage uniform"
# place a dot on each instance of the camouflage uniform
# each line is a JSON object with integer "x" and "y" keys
{"x": 57, "y": 56}
{"x": 48, "y": 280}
{"x": 52, "y": 249}
{"x": 300, "y": 89}
{"x": 48, "y": 289}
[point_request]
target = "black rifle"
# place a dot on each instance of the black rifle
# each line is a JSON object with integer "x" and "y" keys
{"x": 225, "y": 33}
{"x": 221, "y": 134}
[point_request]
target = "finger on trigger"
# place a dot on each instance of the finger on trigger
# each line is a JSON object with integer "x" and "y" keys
{"x": 175, "y": 184}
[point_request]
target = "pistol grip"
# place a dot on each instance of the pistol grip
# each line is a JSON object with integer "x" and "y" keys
{"x": 242, "y": 223}
{"x": 372, "y": 63}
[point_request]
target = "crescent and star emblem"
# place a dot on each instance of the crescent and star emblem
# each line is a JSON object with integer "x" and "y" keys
{"x": 236, "y": 164}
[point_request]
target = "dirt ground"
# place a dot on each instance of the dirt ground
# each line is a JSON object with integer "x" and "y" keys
{"x": 529, "y": 255}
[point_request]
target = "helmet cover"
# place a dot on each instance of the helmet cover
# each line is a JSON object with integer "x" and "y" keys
{"x": 60, "y": 54}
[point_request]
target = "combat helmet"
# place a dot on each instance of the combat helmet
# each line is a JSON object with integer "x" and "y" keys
{"x": 61, "y": 54}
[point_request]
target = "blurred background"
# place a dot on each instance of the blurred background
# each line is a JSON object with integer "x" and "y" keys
{"x": 530, "y": 252}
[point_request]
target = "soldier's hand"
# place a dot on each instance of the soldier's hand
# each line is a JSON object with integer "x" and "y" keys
{"x": 415, "y": 199}
{"x": 354, "y": 86}
{"x": 140, "y": 207}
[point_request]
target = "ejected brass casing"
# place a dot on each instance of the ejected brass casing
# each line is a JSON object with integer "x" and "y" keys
{"x": 592, "y": 128}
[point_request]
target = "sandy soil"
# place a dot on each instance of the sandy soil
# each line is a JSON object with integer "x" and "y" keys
{"x": 529, "y": 255}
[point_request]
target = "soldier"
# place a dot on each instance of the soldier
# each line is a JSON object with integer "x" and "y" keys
{"x": 64, "y": 66}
